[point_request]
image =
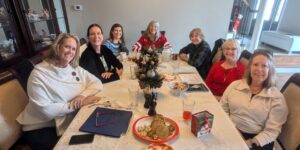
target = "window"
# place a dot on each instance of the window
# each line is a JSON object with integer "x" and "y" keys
{"x": 278, "y": 13}
{"x": 268, "y": 11}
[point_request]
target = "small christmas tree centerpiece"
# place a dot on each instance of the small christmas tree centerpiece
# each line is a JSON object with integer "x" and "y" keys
{"x": 149, "y": 78}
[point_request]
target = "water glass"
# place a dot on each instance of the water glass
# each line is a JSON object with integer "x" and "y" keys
{"x": 123, "y": 56}
{"x": 174, "y": 57}
{"x": 175, "y": 65}
{"x": 133, "y": 71}
{"x": 133, "y": 96}
{"x": 132, "y": 56}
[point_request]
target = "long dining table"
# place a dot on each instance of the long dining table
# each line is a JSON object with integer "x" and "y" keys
{"x": 223, "y": 135}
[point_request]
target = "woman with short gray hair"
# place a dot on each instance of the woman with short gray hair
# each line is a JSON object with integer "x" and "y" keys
{"x": 223, "y": 72}
{"x": 197, "y": 53}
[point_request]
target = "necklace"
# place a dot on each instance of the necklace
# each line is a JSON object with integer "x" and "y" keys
{"x": 227, "y": 69}
{"x": 227, "y": 73}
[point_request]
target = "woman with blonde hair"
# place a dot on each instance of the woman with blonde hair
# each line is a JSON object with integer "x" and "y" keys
{"x": 254, "y": 104}
{"x": 152, "y": 38}
{"x": 56, "y": 88}
{"x": 225, "y": 71}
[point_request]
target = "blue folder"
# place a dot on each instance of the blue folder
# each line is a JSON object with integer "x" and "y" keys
{"x": 105, "y": 121}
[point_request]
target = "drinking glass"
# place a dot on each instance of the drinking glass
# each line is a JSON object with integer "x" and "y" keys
{"x": 133, "y": 95}
{"x": 175, "y": 65}
{"x": 188, "y": 106}
{"x": 174, "y": 57}
{"x": 123, "y": 56}
{"x": 132, "y": 56}
{"x": 133, "y": 71}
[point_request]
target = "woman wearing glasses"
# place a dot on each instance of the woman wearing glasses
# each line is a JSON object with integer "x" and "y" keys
{"x": 225, "y": 71}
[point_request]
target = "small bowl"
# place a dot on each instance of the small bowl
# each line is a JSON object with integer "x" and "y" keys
{"x": 177, "y": 87}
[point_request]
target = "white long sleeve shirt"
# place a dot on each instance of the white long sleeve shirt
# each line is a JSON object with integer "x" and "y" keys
{"x": 49, "y": 89}
{"x": 263, "y": 114}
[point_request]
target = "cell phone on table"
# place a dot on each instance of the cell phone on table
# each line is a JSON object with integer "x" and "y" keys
{"x": 81, "y": 139}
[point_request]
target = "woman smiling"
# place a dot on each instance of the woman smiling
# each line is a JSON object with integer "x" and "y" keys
{"x": 56, "y": 88}
{"x": 255, "y": 105}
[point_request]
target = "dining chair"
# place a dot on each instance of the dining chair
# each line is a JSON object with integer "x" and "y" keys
{"x": 22, "y": 71}
{"x": 289, "y": 138}
{"x": 245, "y": 56}
{"x": 13, "y": 100}
{"x": 217, "y": 51}
{"x": 82, "y": 49}
{"x": 83, "y": 41}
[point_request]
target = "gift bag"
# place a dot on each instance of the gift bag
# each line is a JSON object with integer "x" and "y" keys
{"x": 201, "y": 123}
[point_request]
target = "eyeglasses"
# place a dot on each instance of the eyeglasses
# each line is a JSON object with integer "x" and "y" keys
{"x": 112, "y": 118}
{"x": 228, "y": 48}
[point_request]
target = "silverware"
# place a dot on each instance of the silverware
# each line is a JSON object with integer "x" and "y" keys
{"x": 105, "y": 104}
{"x": 108, "y": 104}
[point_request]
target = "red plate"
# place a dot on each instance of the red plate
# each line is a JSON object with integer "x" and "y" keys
{"x": 146, "y": 120}
{"x": 157, "y": 146}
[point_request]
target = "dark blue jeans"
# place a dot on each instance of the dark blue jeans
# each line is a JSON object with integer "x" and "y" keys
{"x": 254, "y": 147}
{"x": 41, "y": 139}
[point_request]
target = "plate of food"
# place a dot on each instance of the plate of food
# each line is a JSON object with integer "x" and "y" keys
{"x": 169, "y": 77}
{"x": 178, "y": 87}
{"x": 155, "y": 129}
{"x": 159, "y": 146}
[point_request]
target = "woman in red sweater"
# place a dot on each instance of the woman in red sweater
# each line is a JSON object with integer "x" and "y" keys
{"x": 225, "y": 71}
{"x": 152, "y": 38}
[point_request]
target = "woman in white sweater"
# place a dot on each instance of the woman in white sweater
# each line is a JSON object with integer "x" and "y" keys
{"x": 255, "y": 105}
{"x": 57, "y": 87}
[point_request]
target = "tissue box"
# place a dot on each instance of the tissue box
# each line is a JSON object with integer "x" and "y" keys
{"x": 202, "y": 123}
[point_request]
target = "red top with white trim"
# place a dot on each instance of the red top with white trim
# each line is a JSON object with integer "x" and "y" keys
{"x": 144, "y": 41}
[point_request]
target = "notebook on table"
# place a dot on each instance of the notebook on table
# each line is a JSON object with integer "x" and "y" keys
{"x": 105, "y": 121}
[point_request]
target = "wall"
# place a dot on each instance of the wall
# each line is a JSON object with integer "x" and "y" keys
{"x": 177, "y": 17}
{"x": 290, "y": 21}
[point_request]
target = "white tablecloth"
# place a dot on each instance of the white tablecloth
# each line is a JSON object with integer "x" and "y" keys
{"x": 223, "y": 135}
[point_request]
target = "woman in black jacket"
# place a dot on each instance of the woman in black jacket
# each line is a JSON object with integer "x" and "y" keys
{"x": 197, "y": 53}
{"x": 98, "y": 59}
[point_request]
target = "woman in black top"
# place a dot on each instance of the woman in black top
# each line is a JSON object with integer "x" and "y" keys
{"x": 197, "y": 53}
{"x": 98, "y": 59}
